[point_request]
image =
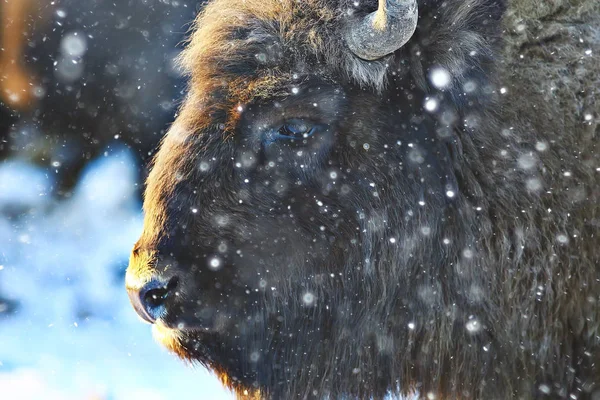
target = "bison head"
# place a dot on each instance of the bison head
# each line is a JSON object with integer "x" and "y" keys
{"x": 299, "y": 211}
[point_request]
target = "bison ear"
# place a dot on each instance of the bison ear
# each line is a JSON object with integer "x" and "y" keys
{"x": 457, "y": 36}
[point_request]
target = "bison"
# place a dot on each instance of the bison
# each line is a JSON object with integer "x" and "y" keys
{"x": 362, "y": 199}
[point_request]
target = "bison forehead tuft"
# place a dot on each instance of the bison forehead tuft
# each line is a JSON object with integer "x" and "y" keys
{"x": 236, "y": 42}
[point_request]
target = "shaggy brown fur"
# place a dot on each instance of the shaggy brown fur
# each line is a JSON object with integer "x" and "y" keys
{"x": 488, "y": 292}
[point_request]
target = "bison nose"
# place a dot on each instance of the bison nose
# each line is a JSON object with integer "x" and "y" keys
{"x": 149, "y": 300}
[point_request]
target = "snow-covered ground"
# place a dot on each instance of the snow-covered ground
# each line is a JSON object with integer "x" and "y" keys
{"x": 73, "y": 334}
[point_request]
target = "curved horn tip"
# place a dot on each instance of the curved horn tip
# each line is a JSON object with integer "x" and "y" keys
{"x": 384, "y": 31}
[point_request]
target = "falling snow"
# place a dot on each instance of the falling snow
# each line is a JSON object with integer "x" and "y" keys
{"x": 440, "y": 78}
{"x": 473, "y": 326}
{"x": 114, "y": 66}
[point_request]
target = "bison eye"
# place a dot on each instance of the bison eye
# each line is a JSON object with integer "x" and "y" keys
{"x": 294, "y": 129}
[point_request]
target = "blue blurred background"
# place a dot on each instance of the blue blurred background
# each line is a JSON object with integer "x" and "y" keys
{"x": 100, "y": 88}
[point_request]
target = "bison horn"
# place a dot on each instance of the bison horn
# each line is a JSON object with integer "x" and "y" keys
{"x": 384, "y": 31}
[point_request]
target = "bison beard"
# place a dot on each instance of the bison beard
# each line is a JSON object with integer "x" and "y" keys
{"x": 324, "y": 225}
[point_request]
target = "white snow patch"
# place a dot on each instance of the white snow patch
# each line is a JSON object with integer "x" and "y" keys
{"x": 75, "y": 335}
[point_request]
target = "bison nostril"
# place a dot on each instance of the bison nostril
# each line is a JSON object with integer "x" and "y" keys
{"x": 156, "y": 297}
{"x": 149, "y": 301}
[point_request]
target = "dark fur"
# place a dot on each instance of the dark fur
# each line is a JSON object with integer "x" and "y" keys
{"x": 508, "y": 308}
